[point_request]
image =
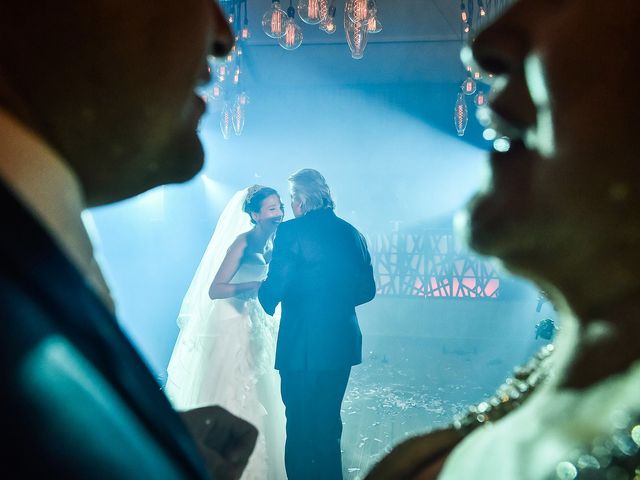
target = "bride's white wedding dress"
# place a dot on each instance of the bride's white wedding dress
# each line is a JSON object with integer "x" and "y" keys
{"x": 224, "y": 355}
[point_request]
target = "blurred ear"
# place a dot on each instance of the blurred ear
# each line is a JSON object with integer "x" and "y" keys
{"x": 254, "y": 215}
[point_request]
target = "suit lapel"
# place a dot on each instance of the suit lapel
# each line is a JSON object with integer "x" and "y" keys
{"x": 35, "y": 261}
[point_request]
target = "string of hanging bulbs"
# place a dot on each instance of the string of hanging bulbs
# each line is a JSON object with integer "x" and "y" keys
{"x": 474, "y": 14}
{"x": 360, "y": 20}
{"x": 227, "y": 96}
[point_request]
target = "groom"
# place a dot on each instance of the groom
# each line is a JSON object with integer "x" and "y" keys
{"x": 320, "y": 271}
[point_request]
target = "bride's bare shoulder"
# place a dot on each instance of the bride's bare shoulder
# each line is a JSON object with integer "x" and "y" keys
{"x": 244, "y": 246}
{"x": 239, "y": 245}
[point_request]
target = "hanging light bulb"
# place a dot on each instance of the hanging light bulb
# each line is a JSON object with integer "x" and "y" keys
{"x": 324, "y": 9}
{"x": 243, "y": 98}
{"x": 477, "y": 76}
{"x": 360, "y": 10}
{"x": 483, "y": 11}
{"x": 374, "y": 25}
{"x": 331, "y": 27}
{"x": 245, "y": 33}
{"x": 311, "y": 11}
{"x": 461, "y": 114}
{"x": 225, "y": 121}
{"x": 236, "y": 75}
{"x": 328, "y": 25}
{"x": 468, "y": 86}
{"x": 292, "y": 37}
{"x": 214, "y": 64}
{"x": 464, "y": 16}
{"x": 273, "y": 21}
{"x": 216, "y": 92}
{"x": 480, "y": 99}
{"x": 222, "y": 71}
{"x": 356, "y": 33}
{"x": 229, "y": 57}
{"x": 215, "y": 96}
{"x": 238, "y": 116}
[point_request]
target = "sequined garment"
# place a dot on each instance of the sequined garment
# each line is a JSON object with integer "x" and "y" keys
{"x": 615, "y": 456}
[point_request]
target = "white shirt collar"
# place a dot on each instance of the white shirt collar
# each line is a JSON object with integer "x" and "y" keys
{"x": 48, "y": 187}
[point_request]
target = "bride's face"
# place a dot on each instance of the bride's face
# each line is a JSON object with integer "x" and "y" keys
{"x": 270, "y": 213}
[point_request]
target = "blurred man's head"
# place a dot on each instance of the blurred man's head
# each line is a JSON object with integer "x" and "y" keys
{"x": 564, "y": 199}
{"x": 109, "y": 84}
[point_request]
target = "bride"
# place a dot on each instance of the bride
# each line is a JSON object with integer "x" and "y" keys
{"x": 225, "y": 350}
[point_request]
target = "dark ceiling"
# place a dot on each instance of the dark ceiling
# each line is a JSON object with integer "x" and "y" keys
{"x": 420, "y": 42}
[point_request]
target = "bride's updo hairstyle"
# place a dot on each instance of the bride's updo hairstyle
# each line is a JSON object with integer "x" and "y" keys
{"x": 255, "y": 196}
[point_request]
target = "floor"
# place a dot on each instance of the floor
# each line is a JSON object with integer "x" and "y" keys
{"x": 405, "y": 386}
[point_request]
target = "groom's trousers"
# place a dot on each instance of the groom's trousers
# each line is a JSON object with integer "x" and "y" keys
{"x": 312, "y": 400}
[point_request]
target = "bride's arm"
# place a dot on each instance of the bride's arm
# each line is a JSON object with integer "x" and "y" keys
{"x": 220, "y": 287}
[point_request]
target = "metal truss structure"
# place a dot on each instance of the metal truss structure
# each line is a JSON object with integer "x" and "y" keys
{"x": 430, "y": 264}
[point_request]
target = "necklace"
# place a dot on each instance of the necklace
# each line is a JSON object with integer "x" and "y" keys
{"x": 510, "y": 395}
{"x": 613, "y": 457}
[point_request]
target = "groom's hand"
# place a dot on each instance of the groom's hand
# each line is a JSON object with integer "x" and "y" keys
{"x": 225, "y": 441}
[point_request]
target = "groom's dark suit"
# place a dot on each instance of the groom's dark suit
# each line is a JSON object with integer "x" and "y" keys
{"x": 77, "y": 400}
{"x": 320, "y": 271}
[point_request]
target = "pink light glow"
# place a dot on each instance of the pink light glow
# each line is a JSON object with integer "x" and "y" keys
{"x": 314, "y": 9}
{"x": 360, "y": 10}
{"x": 276, "y": 22}
{"x": 290, "y": 35}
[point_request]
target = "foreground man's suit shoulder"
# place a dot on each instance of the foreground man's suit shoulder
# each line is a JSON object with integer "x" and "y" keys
{"x": 77, "y": 397}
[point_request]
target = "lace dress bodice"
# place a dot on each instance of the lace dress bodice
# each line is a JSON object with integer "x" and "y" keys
{"x": 261, "y": 328}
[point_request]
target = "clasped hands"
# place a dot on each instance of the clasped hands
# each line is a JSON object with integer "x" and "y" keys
{"x": 224, "y": 440}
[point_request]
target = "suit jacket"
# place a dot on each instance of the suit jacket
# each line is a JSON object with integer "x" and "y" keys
{"x": 77, "y": 399}
{"x": 320, "y": 271}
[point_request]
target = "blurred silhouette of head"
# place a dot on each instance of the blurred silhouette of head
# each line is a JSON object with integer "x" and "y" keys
{"x": 109, "y": 85}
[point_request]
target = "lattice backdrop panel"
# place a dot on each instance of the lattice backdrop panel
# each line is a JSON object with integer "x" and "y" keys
{"x": 430, "y": 264}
